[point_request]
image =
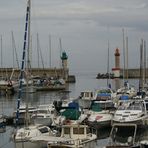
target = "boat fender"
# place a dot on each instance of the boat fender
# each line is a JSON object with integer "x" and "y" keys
{"x": 9, "y": 83}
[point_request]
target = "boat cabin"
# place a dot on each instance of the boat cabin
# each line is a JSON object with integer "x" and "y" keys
{"x": 86, "y": 95}
{"x": 74, "y": 131}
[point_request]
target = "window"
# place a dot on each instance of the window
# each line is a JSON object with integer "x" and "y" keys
{"x": 78, "y": 130}
{"x": 66, "y": 130}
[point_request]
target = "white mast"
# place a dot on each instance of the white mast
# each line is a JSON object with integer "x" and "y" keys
{"x": 50, "y": 51}
{"x": 108, "y": 66}
{"x": 123, "y": 55}
{"x": 127, "y": 58}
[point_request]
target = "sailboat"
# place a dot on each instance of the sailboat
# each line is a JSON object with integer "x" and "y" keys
{"x": 7, "y": 86}
{"x": 25, "y": 133}
{"x": 54, "y": 83}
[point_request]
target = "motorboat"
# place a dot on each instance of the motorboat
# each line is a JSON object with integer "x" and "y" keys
{"x": 126, "y": 92}
{"x": 26, "y": 133}
{"x": 85, "y": 99}
{"x": 73, "y": 114}
{"x": 132, "y": 111}
{"x": 22, "y": 113}
{"x": 44, "y": 114}
{"x": 100, "y": 114}
{"x": 72, "y": 136}
{"x": 8, "y": 86}
{"x": 50, "y": 84}
{"x": 104, "y": 93}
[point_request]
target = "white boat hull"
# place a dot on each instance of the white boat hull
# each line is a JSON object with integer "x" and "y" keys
{"x": 100, "y": 120}
{"x": 90, "y": 144}
{"x": 137, "y": 121}
{"x": 29, "y": 145}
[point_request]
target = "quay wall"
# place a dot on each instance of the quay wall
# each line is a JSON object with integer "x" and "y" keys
{"x": 46, "y": 72}
{"x": 133, "y": 73}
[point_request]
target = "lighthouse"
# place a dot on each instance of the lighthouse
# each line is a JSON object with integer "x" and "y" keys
{"x": 64, "y": 59}
{"x": 116, "y": 70}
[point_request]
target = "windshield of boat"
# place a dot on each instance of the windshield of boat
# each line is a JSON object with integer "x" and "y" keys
{"x": 131, "y": 106}
{"x": 96, "y": 107}
{"x": 135, "y": 106}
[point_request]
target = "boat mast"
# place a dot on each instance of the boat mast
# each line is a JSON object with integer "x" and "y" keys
{"x": 108, "y": 78}
{"x": 141, "y": 66}
{"x": 50, "y": 51}
{"x": 28, "y": 62}
{"x": 145, "y": 74}
{"x": 22, "y": 63}
{"x": 127, "y": 58}
{"x": 61, "y": 49}
{"x": 1, "y": 55}
{"x": 123, "y": 55}
{"x": 28, "y": 49}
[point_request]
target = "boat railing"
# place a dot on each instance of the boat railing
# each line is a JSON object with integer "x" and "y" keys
{"x": 131, "y": 139}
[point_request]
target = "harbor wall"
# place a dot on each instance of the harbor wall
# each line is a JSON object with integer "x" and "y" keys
{"x": 133, "y": 73}
{"x": 46, "y": 72}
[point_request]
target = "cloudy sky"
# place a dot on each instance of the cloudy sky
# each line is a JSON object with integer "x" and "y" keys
{"x": 84, "y": 26}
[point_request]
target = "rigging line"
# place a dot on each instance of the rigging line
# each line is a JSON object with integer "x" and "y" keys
{"x": 39, "y": 47}
{"x": 14, "y": 50}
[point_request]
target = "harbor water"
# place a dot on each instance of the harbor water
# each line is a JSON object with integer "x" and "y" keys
{"x": 84, "y": 81}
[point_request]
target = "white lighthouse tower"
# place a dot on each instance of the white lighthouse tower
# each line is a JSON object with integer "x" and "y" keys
{"x": 116, "y": 70}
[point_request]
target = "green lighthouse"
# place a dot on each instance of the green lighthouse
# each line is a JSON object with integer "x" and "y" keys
{"x": 64, "y": 58}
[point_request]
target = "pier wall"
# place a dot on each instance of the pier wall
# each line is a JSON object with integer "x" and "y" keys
{"x": 133, "y": 73}
{"x": 49, "y": 72}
